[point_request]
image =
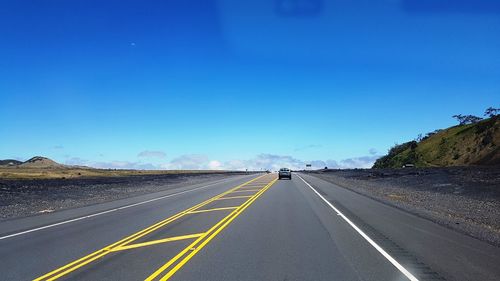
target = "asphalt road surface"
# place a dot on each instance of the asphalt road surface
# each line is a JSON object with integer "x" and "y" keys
{"x": 243, "y": 228}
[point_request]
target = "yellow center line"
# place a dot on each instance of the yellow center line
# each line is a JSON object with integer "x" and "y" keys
{"x": 212, "y": 210}
{"x": 159, "y": 241}
{"x": 234, "y": 197}
{"x": 61, "y": 271}
{"x": 203, "y": 240}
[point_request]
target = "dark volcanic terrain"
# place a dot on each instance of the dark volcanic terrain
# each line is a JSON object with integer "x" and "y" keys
{"x": 25, "y": 197}
{"x": 466, "y": 199}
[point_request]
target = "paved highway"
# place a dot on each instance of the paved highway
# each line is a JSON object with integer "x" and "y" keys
{"x": 243, "y": 228}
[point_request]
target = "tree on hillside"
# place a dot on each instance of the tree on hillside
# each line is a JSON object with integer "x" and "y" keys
{"x": 471, "y": 119}
{"x": 467, "y": 119}
{"x": 430, "y": 134}
{"x": 460, "y": 118}
{"x": 491, "y": 112}
{"x": 419, "y": 138}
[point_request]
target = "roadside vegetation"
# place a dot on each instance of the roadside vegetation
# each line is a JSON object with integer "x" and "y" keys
{"x": 44, "y": 168}
{"x": 67, "y": 173}
{"x": 474, "y": 141}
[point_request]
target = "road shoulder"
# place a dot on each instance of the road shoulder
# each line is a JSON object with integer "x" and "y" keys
{"x": 449, "y": 254}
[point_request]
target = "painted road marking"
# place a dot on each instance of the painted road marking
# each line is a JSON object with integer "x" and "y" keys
{"x": 235, "y": 197}
{"x": 367, "y": 238}
{"x": 159, "y": 241}
{"x": 213, "y": 210}
{"x": 201, "y": 242}
{"x": 107, "y": 211}
{"x": 106, "y": 250}
{"x": 245, "y": 190}
{"x": 66, "y": 269}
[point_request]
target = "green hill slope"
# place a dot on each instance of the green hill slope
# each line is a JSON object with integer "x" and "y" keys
{"x": 463, "y": 145}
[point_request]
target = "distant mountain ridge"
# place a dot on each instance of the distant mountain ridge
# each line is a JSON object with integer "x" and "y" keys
{"x": 41, "y": 162}
{"x": 10, "y": 162}
{"x": 35, "y": 162}
{"x": 462, "y": 145}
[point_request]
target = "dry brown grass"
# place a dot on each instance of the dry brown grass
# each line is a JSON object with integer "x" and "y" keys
{"x": 59, "y": 173}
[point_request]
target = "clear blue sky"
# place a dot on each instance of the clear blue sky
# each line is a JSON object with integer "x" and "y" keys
{"x": 234, "y": 84}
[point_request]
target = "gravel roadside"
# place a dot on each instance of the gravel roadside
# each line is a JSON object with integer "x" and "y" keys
{"x": 466, "y": 199}
{"x": 21, "y": 198}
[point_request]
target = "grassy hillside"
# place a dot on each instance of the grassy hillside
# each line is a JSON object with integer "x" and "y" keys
{"x": 41, "y": 162}
{"x": 463, "y": 145}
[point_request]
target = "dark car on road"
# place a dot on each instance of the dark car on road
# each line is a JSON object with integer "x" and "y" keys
{"x": 285, "y": 173}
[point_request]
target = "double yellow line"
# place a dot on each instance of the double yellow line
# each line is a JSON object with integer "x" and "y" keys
{"x": 121, "y": 244}
{"x": 203, "y": 240}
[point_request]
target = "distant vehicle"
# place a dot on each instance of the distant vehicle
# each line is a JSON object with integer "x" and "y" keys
{"x": 408, "y": 166}
{"x": 285, "y": 173}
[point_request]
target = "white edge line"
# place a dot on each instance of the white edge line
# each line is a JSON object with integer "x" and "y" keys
{"x": 105, "y": 212}
{"x": 367, "y": 238}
